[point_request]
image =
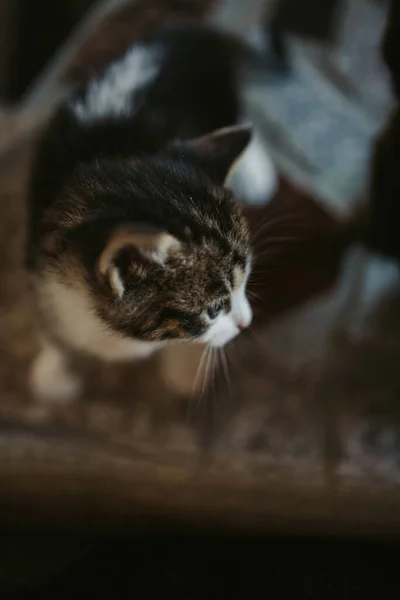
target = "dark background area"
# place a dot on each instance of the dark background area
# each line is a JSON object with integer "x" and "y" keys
{"x": 198, "y": 567}
{"x": 31, "y": 31}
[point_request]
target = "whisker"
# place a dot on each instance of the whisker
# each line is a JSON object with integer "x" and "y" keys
{"x": 286, "y": 238}
{"x": 268, "y": 243}
{"x": 206, "y": 374}
{"x": 277, "y": 212}
{"x": 263, "y": 271}
{"x": 264, "y": 277}
{"x": 262, "y": 230}
{"x": 271, "y": 240}
{"x": 266, "y": 267}
{"x": 261, "y": 279}
{"x": 214, "y": 366}
{"x": 231, "y": 348}
{"x": 256, "y": 298}
{"x": 272, "y": 251}
{"x": 199, "y": 371}
{"x": 225, "y": 368}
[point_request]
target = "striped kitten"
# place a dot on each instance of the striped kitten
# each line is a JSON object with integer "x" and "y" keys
{"x": 133, "y": 240}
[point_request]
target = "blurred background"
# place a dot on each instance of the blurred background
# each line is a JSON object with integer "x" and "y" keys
{"x": 325, "y": 92}
{"x": 30, "y": 33}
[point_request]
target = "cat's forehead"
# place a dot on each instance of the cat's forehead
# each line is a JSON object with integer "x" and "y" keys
{"x": 218, "y": 243}
{"x": 209, "y": 271}
{"x": 215, "y": 222}
{"x": 180, "y": 200}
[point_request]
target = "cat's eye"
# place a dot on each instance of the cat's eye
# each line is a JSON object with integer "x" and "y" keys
{"x": 215, "y": 309}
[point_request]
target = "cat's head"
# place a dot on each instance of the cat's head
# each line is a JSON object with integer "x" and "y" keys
{"x": 172, "y": 254}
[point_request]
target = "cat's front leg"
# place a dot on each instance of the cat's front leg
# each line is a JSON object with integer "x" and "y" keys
{"x": 52, "y": 377}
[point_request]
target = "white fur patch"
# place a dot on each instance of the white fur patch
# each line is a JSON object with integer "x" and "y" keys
{"x": 113, "y": 94}
{"x": 51, "y": 378}
{"x": 228, "y": 325}
{"x": 255, "y": 178}
{"x": 116, "y": 282}
{"x": 76, "y": 322}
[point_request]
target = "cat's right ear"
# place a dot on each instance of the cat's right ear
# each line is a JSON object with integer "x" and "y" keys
{"x": 145, "y": 246}
{"x": 216, "y": 152}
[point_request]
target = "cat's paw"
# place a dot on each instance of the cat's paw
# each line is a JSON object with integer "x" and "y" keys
{"x": 52, "y": 381}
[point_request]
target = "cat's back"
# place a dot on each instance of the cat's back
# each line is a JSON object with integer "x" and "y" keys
{"x": 178, "y": 83}
{"x": 181, "y": 81}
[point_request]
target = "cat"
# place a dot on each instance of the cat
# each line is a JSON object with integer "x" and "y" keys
{"x": 133, "y": 239}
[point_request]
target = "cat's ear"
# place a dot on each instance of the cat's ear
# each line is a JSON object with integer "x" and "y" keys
{"x": 150, "y": 246}
{"x": 217, "y": 152}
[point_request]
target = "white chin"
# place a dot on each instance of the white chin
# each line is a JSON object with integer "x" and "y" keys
{"x": 222, "y": 339}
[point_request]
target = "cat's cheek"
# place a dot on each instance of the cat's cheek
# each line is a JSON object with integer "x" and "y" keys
{"x": 220, "y": 340}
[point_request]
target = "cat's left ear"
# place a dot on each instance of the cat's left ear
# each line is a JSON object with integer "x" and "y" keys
{"x": 144, "y": 246}
{"x": 216, "y": 152}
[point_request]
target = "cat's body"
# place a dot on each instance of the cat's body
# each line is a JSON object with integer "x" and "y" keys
{"x": 133, "y": 240}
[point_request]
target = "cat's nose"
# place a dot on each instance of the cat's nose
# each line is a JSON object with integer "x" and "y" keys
{"x": 243, "y": 315}
{"x": 245, "y": 321}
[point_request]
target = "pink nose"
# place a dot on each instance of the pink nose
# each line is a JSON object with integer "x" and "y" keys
{"x": 242, "y": 325}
